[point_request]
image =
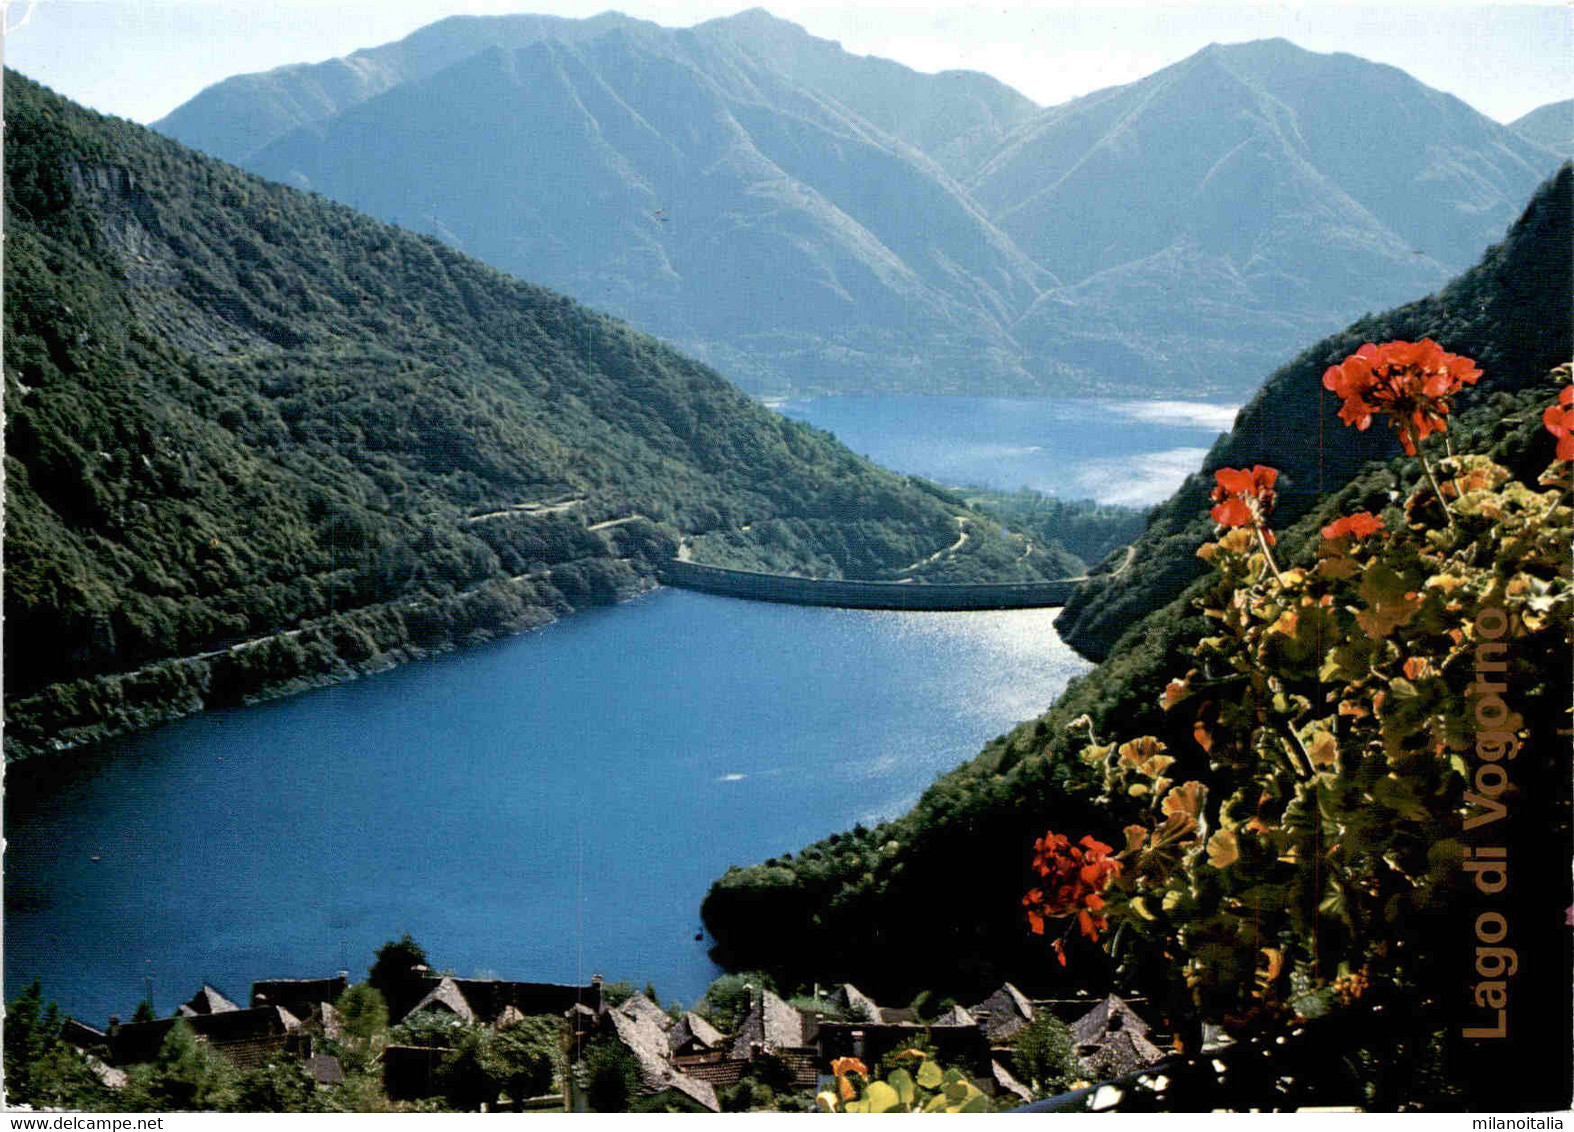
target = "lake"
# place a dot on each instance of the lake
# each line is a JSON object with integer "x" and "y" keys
{"x": 544, "y": 808}
{"x": 555, "y": 805}
{"x": 1131, "y": 452}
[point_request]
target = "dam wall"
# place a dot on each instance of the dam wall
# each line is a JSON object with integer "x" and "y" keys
{"x": 865, "y": 595}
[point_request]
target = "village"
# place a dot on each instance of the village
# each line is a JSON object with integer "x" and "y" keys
{"x": 681, "y": 1061}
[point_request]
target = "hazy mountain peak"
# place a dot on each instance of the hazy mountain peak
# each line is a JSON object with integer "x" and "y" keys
{"x": 1551, "y": 125}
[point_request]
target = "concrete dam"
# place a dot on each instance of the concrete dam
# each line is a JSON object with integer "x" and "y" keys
{"x": 865, "y": 595}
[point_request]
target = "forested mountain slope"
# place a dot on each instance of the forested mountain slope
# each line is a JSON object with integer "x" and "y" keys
{"x": 253, "y": 428}
{"x": 932, "y": 899}
{"x": 1513, "y": 313}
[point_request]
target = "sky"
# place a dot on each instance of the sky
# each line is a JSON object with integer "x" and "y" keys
{"x": 139, "y": 59}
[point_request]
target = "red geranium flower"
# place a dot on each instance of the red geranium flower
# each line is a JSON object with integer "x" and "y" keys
{"x": 1244, "y": 497}
{"x": 1074, "y": 876}
{"x": 1559, "y": 420}
{"x": 1359, "y": 525}
{"x": 1408, "y": 382}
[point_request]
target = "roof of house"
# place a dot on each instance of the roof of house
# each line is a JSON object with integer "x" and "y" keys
{"x": 772, "y": 1025}
{"x": 141, "y": 1041}
{"x": 855, "y": 1002}
{"x": 1007, "y": 1011}
{"x": 642, "y": 1008}
{"x": 648, "y": 1043}
{"x": 692, "y": 1028}
{"x": 1108, "y": 1015}
{"x": 446, "y": 995}
{"x": 1010, "y": 1084}
{"x": 511, "y": 1016}
{"x": 488, "y": 998}
{"x": 325, "y": 1069}
{"x": 956, "y": 1016}
{"x": 81, "y": 1035}
{"x": 1116, "y": 1054}
{"x": 206, "y": 1001}
{"x": 299, "y": 996}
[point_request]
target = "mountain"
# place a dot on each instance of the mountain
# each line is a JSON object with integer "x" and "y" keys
{"x": 935, "y": 233}
{"x": 1209, "y": 218}
{"x": 255, "y": 440}
{"x": 933, "y": 898}
{"x": 1550, "y": 126}
{"x": 1513, "y": 313}
{"x": 234, "y": 118}
{"x": 727, "y": 218}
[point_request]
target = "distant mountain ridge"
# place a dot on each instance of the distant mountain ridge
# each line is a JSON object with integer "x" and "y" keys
{"x": 808, "y": 219}
{"x": 1551, "y": 126}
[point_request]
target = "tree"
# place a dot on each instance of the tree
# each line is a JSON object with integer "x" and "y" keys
{"x": 610, "y": 1076}
{"x": 276, "y": 1087}
{"x": 391, "y": 970}
{"x": 40, "y": 1069}
{"x": 363, "y": 1012}
{"x": 728, "y": 1000}
{"x": 1045, "y": 1056}
{"x": 521, "y": 1060}
{"x": 187, "y": 1076}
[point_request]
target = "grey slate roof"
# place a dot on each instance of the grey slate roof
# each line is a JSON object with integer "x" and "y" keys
{"x": 1005, "y": 1081}
{"x": 325, "y": 1069}
{"x": 648, "y": 1043}
{"x": 1111, "y": 1040}
{"x": 299, "y": 996}
{"x": 956, "y": 1016}
{"x": 643, "y": 1009}
{"x": 692, "y": 1028}
{"x": 206, "y": 1001}
{"x": 1008, "y": 1011}
{"x": 446, "y": 995}
{"x": 1108, "y": 1015}
{"x": 860, "y": 1006}
{"x": 772, "y": 1025}
{"x": 1117, "y": 1054}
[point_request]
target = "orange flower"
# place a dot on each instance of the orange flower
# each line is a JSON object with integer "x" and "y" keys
{"x": 1408, "y": 382}
{"x": 842, "y": 1066}
{"x": 1075, "y": 876}
{"x": 1244, "y": 498}
{"x": 1559, "y": 420}
{"x": 1357, "y": 526}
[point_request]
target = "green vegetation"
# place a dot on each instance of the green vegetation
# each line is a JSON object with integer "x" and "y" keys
{"x": 1087, "y": 531}
{"x": 1045, "y": 1057}
{"x": 1512, "y": 313}
{"x": 853, "y": 903}
{"x": 921, "y": 1086}
{"x": 256, "y": 441}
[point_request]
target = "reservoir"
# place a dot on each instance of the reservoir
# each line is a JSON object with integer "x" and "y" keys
{"x": 542, "y": 808}
{"x": 555, "y": 805}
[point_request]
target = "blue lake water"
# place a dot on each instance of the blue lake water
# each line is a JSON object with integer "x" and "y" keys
{"x": 1131, "y": 452}
{"x": 543, "y": 808}
{"x": 555, "y": 805}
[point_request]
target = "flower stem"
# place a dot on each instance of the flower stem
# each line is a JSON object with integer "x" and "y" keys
{"x": 1426, "y": 466}
{"x": 1268, "y": 554}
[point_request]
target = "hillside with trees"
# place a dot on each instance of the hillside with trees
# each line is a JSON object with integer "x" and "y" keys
{"x": 257, "y": 441}
{"x": 1511, "y": 312}
{"x": 863, "y": 897}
